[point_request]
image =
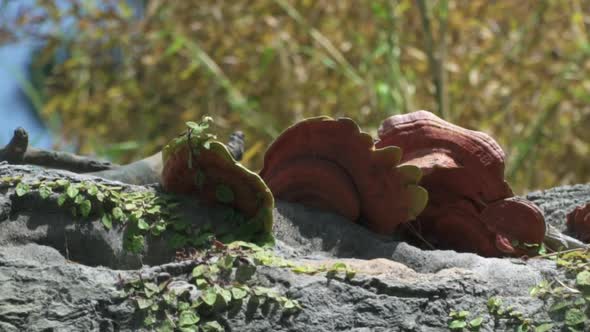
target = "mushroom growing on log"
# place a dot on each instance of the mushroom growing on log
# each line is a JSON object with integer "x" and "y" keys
{"x": 578, "y": 222}
{"x": 471, "y": 208}
{"x": 331, "y": 164}
{"x": 196, "y": 164}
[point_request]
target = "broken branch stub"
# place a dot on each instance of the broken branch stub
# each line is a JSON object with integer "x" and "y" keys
{"x": 463, "y": 170}
{"x": 331, "y": 164}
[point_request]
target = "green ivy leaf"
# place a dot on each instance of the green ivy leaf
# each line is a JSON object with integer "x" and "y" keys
{"x": 263, "y": 291}
{"x": 223, "y": 293}
{"x": 201, "y": 283}
{"x": 92, "y": 190}
{"x": 350, "y": 274}
{"x": 72, "y": 191}
{"x": 575, "y": 317}
{"x": 199, "y": 128}
{"x": 183, "y": 305}
{"x": 137, "y": 214}
{"x": 154, "y": 209}
{"x": 226, "y": 262}
{"x": 224, "y": 194}
{"x": 583, "y": 279}
{"x": 144, "y": 303}
{"x": 338, "y": 266}
{"x": 107, "y": 221}
{"x": 166, "y": 326}
{"x": 22, "y": 189}
{"x": 130, "y": 206}
{"x": 170, "y": 298}
{"x": 209, "y": 296}
{"x": 150, "y": 289}
{"x": 118, "y": 214}
{"x": 558, "y": 306}
{"x": 305, "y": 269}
{"x": 85, "y": 208}
{"x": 78, "y": 200}
{"x": 150, "y": 319}
{"x": 475, "y": 323}
{"x": 239, "y": 292}
{"x": 193, "y": 328}
{"x": 494, "y": 304}
{"x": 155, "y": 307}
{"x": 457, "y": 325}
{"x": 61, "y": 199}
{"x": 544, "y": 327}
{"x": 62, "y": 183}
{"x": 159, "y": 227}
{"x": 141, "y": 224}
{"x": 212, "y": 326}
{"x": 200, "y": 270}
{"x": 188, "y": 318}
{"x": 45, "y": 191}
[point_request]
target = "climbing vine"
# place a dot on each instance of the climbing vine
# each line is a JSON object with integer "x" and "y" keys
{"x": 222, "y": 278}
{"x": 567, "y": 300}
{"x": 141, "y": 212}
{"x": 223, "y": 274}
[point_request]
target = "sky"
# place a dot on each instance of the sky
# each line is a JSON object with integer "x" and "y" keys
{"x": 15, "y": 111}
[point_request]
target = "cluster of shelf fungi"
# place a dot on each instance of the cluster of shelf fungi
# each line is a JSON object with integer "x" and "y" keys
{"x": 431, "y": 182}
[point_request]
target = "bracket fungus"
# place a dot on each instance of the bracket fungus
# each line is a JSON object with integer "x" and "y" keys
{"x": 330, "y": 164}
{"x": 578, "y": 222}
{"x": 196, "y": 164}
{"x": 471, "y": 208}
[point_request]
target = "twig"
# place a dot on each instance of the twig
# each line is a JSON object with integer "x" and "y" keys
{"x": 419, "y": 236}
{"x": 559, "y": 252}
{"x": 572, "y": 290}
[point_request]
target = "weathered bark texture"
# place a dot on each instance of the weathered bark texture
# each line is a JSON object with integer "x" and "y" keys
{"x": 60, "y": 274}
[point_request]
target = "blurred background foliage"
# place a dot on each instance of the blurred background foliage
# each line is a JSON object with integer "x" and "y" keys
{"x": 120, "y": 78}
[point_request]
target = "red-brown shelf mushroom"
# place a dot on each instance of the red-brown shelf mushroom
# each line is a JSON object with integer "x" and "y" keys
{"x": 578, "y": 222}
{"x": 332, "y": 165}
{"x": 196, "y": 164}
{"x": 470, "y": 207}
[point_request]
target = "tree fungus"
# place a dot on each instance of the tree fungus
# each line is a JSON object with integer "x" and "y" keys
{"x": 578, "y": 222}
{"x": 331, "y": 164}
{"x": 196, "y": 164}
{"x": 470, "y": 206}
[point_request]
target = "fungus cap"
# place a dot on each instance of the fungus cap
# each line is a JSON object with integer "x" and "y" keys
{"x": 331, "y": 164}
{"x": 463, "y": 169}
{"x": 467, "y": 161}
{"x": 196, "y": 164}
{"x": 578, "y": 222}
